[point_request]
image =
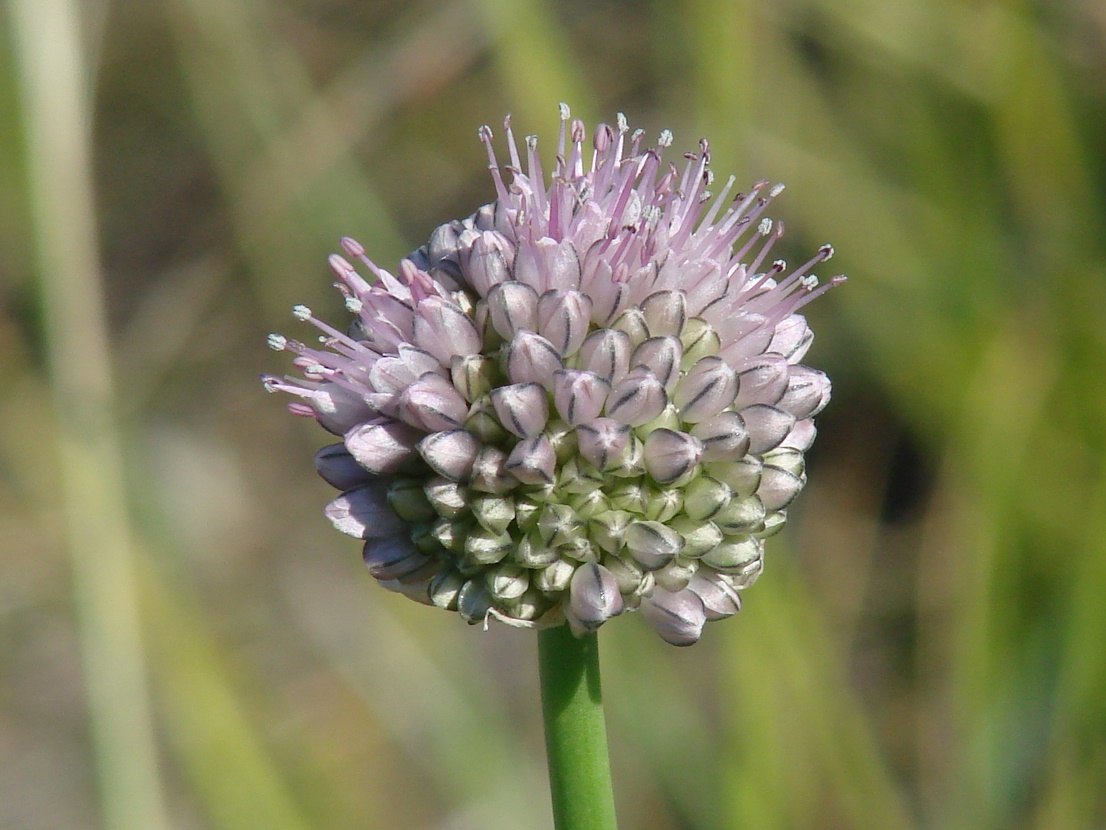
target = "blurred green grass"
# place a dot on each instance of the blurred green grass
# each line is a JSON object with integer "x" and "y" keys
{"x": 184, "y": 643}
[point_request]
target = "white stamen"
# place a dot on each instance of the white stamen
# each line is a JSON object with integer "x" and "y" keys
{"x": 301, "y": 312}
{"x": 765, "y": 227}
{"x": 623, "y": 124}
{"x": 665, "y": 139}
{"x": 278, "y": 342}
{"x": 354, "y": 305}
{"x": 810, "y": 282}
{"x": 776, "y": 190}
{"x": 826, "y": 251}
{"x": 566, "y": 113}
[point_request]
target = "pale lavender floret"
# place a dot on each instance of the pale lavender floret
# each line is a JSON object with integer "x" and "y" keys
{"x": 531, "y": 358}
{"x": 579, "y": 395}
{"x": 382, "y": 446}
{"x": 364, "y": 513}
{"x": 582, "y": 399}
{"x": 677, "y": 617}
{"x": 523, "y": 408}
{"x": 339, "y": 469}
{"x": 637, "y": 399}
{"x": 594, "y": 598}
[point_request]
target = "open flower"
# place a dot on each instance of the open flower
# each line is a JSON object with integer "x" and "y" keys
{"x": 585, "y": 398}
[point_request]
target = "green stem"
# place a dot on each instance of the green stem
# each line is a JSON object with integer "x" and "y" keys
{"x": 575, "y": 732}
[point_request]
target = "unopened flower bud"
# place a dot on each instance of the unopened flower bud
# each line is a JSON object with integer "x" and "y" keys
{"x": 513, "y": 307}
{"x": 606, "y": 353}
{"x": 523, "y": 408}
{"x": 764, "y": 382}
{"x": 563, "y": 319}
{"x": 662, "y": 356}
{"x": 364, "y": 513}
{"x": 472, "y": 375}
{"x": 594, "y": 598}
{"x": 382, "y": 447}
{"x": 579, "y": 395}
{"x": 778, "y": 488}
{"x": 720, "y": 598}
{"x": 671, "y": 455}
{"x": 724, "y": 437}
{"x": 665, "y": 313}
{"x": 767, "y": 427}
{"x": 708, "y": 388}
{"x": 636, "y": 399}
{"x": 530, "y": 358}
{"x": 340, "y": 469}
{"x": 450, "y": 454}
{"x": 677, "y": 617}
{"x": 652, "y": 544}
{"x": 533, "y": 461}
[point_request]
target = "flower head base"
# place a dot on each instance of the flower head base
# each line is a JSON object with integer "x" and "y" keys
{"x": 583, "y": 399}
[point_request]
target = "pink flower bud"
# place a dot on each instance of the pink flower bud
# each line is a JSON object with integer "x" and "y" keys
{"x": 563, "y": 319}
{"x": 767, "y": 427}
{"x": 432, "y": 404}
{"x": 593, "y": 598}
{"x": 762, "y": 382}
{"x": 513, "y": 306}
{"x": 533, "y": 461}
{"x": 637, "y": 399}
{"x": 665, "y": 313}
{"x": 724, "y": 437}
{"x": 450, "y": 454}
{"x": 382, "y": 446}
{"x": 671, "y": 455}
{"x": 522, "y": 408}
{"x": 707, "y": 389}
{"x": 607, "y": 354}
{"x": 340, "y": 469}
{"x": 579, "y": 395}
{"x": 603, "y": 442}
{"x": 443, "y": 330}
{"x": 364, "y": 513}
{"x": 652, "y": 544}
{"x": 677, "y": 617}
{"x": 662, "y": 356}
{"x": 531, "y": 358}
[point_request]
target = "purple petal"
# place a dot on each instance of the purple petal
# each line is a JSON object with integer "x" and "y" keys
{"x": 393, "y": 557}
{"x": 808, "y": 391}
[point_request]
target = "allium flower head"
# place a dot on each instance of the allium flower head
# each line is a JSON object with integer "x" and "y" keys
{"x": 583, "y": 399}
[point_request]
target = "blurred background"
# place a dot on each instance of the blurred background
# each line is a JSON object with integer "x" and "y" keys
{"x": 186, "y": 643}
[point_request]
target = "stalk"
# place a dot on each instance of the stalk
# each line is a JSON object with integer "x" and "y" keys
{"x": 575, "y": 731}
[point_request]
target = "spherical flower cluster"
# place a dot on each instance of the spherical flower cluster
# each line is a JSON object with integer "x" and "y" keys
{"x": 585, "y": 398}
